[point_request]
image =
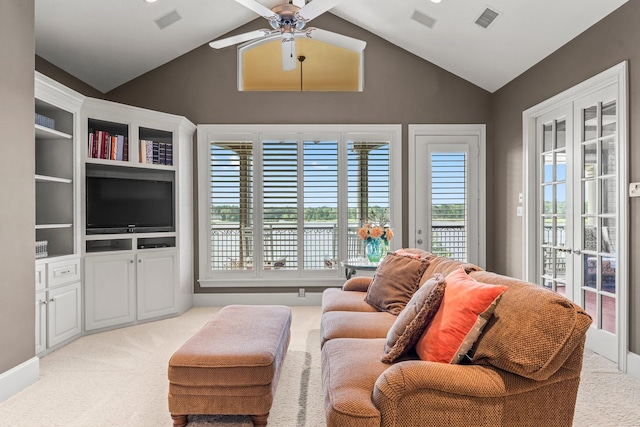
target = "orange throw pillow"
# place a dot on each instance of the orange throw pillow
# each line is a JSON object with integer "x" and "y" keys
{"x": 465, "y": 309}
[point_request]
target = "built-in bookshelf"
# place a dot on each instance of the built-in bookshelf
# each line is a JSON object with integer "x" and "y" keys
{"x": 57, "y": 164}
{"x": 144, "y": 268}
{"x": 56, "y": 115}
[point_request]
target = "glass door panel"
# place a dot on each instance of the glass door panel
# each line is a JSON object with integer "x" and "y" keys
{"x": 598, "y": 206}
{"x": 554, "y": 208}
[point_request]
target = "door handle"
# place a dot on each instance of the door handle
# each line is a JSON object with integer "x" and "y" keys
{"x": 577, "y": 251}
{"x": 568, "y": 250}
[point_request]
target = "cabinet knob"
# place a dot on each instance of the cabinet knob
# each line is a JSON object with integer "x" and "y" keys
{"x": 43, "y": 302}
{"x": 130, "y": 261}
{"x": 52, "y": 300}
{"x": 140, "y": 261}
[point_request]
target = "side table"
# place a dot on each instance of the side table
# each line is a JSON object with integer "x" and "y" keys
{"x": 355, "y": 264}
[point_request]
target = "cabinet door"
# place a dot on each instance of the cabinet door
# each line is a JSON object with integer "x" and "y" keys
{"x": 156, "y": 281}
{"x": 41, "y": 322}
{"x": 63, "y": 314}
{"x": 109, "y": 290}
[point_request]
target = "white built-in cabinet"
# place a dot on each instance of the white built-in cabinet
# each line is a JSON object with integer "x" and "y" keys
{"x": 122, "y": 288}
{"x": 58, "y": 286}
{"x": 87, "y": 282}
{"x": 138, "y": 276}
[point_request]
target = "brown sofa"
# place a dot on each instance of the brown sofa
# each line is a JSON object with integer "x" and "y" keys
{"x": 524, "y": 370}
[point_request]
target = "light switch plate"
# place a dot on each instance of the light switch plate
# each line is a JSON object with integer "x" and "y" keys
{"x": 634, "y": 189}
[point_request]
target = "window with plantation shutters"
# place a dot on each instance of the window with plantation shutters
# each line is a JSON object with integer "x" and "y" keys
{"x": 231, "y": 205}
{"x": 368, "y": 186}
{"x": 287, "y": 203}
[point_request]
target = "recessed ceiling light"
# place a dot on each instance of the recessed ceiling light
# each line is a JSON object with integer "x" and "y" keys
{"x": 436, "y": 1}
{"x": 150, "y": 1}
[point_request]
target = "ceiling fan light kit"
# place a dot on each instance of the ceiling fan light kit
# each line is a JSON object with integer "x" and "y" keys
{"x": 288, "y": 21}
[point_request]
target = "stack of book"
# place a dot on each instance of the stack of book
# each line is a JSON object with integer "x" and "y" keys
{"x": 45, "y": 121}
{"x": 156, "y": 153}
{"x": 102, "y": 145}
{"x": 41, "y": 249}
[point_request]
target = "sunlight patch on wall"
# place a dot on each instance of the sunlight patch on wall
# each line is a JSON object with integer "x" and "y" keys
{"x": 325, "y": 68}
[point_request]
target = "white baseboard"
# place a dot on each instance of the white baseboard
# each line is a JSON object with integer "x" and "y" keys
{"x": 633, "y": 365}
{"x": 19, "y": 377}
{"x": 290, "y": 299}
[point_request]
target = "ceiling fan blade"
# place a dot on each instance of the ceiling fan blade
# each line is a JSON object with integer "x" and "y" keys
{"x": 335, "y": 39}
{"x": 315, "y": 8}
{"x": 257, "y": 8}
{"x": 289, "y": 54}
{"x": 219, "y": 44}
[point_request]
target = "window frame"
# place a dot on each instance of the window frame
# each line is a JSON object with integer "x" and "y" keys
{"x": 254, "y": 133}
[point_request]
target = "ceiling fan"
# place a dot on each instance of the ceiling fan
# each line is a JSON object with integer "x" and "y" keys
{"x": 288, "y": 21}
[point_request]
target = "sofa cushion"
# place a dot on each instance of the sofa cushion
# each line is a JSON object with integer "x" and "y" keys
{"x": 350, "y": 368}
{"x": 533, "y": 330}
{"x": 445, "y": 266}
{"x": 465, "y": 309}
{"x": 345, "y": 324}
{"x": 335, "y": 299}
{"x": 415, "y": 252}
{"x": 412, "y": 321}
{"x": 396, "y": 279}
{"x": 360, "y": 284}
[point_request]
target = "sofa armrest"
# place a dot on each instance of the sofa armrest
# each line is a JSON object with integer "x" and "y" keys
{"x": 441, "y": 394}
{"x": 360, "y": 284}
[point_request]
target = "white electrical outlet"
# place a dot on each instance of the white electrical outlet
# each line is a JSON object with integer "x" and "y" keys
{"x": 519, "y": 211}
{"x": 634, "y": 189}
{"x": 520, "y": 198}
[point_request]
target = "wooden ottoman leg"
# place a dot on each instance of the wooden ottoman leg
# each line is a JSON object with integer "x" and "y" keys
{"x": 179, "y": 420}
{"x": 260, "y": 420}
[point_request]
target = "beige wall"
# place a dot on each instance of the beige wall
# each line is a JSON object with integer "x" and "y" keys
{"x": 611, "y": 41}
{"x": 17, "y": 187}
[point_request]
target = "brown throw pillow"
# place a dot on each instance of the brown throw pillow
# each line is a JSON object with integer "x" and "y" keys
{"x": 395, "y": 282}
{"x": 414, "y": 319}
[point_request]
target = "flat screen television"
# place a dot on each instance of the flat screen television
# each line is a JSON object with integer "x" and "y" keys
{"x": 126, "y": 205}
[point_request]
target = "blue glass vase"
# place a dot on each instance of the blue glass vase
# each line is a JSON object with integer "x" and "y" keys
{"x": 375, "y": 250}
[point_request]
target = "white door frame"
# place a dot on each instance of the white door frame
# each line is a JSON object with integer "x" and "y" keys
{"x": 617, "y": 74}
{"x": 477, "y": 130}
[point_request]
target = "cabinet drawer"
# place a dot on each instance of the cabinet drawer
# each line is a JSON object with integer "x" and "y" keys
{"x": 61, "y": 272}
{"x": 41, "y": 276}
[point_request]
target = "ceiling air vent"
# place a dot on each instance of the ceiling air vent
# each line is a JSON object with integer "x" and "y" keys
{"x": 165, "y": 20}
{"x": 423, "y": 19}
{"x": 487, "y": 17}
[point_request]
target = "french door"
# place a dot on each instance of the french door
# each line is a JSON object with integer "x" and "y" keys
{"x": 578, "y": 237}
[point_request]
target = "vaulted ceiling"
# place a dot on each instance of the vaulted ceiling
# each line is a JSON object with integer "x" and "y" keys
{"x": 106, "y": 43}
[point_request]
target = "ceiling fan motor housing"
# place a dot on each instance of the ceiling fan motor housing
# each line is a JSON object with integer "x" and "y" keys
{"x": 287, "y": 19}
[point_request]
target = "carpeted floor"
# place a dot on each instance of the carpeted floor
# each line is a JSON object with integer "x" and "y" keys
{"x": 119, "y": 378}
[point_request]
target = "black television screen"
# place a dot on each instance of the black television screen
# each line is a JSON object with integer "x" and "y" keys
{"x": 119, "y": 205}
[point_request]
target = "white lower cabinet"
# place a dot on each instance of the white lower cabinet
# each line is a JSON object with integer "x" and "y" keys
{"x": 63, "y": 313}
{"x": 113, "y": 284}
{"x": 109, "y": 290}
{"x": 156, "y": 284}
{"x": 58, "y": 305}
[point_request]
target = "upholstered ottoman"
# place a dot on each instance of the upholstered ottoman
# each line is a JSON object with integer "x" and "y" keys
{"x": 232, "y": 365}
